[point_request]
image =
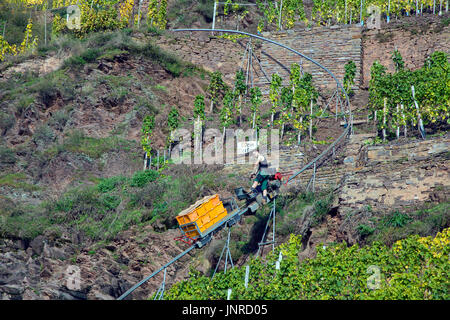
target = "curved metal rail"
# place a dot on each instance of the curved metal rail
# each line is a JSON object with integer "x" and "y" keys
{"x": 348, "y": 130}
{"x": 285, "y": 47}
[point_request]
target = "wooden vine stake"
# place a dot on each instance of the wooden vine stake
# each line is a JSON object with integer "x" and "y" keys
{"x": 310, "y": 120}
{"x": 404, "y": 121}
{"x": 145, "y": 161}
{"x": 397, "y": 131}
{"x": 384, "y": 119}
{"x": 419, "y": 118}
{"x": 247, "y": 273}
{"x": 157, "y": 160}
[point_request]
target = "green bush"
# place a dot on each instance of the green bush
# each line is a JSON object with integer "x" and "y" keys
{"x": 365, "y": 230}
{"x": 43, "y": 135}
{"x": 109, "y": 184}
{"x": 59, "y": 119}
{"x": 141, "y": 178}
{"x": 396, "y": 219}
{"x": 89, "y": 55}
{"x": 7, "y": 121}
{"x": 110, "y": 202}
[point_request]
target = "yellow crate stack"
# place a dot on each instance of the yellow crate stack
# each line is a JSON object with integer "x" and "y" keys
{"x": 201, "y": 216}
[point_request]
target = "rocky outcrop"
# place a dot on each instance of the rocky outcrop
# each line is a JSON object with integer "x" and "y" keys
{"x": 48, "y": 269}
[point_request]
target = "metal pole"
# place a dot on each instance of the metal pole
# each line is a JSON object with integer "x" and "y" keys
{"x": 397, "y": 131}
{"x": 139, "y": 14}
{"x": 345, "y": 11}
{"x": 279, "y": 17}
{"x": 157, "y": 160}
{"x": 389, "y": 11}
{"x": 145, "y": 161}
{"x": 384, "y": 119}
{"x": 160, "y": 293}
{"x": 247, "y": 273}
{"x": 228, "y": 250}
{"x": 214, "y": 16}
{"x": 419, "y": 118}
{"x": 310, "y": 119}
{"x": 337, "y": 98}
{"x": 45, "y": 26}
{"x": 248, "y": 66}
{"x": 273, "y": 229}
{"x": 360, "y": 14}
{"x": 314, "y": 178}
{"x": 220, "y": 259}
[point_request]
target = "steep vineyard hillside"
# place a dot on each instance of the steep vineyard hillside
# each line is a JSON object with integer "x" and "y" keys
{"x": 88, "y": 183}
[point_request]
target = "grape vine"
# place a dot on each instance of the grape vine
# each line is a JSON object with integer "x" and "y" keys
{"x": 414, "y": 268}
{"x": 391, "y": 98}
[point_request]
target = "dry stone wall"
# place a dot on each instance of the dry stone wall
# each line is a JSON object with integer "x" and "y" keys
{"x": 331, "y": 46}
{"x": 210, "y": 53}
{"x": 389, "y": 177}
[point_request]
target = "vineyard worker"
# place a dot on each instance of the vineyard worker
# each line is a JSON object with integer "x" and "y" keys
{"x": 262, "y": 175}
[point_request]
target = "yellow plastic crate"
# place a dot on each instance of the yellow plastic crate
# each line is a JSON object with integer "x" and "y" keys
{"x": 198, "y": 218}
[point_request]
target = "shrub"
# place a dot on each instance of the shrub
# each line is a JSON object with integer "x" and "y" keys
{"x": 109, "y": 184}
{"x": 43, "y": 135}
{"x": 59, "y": 119}
{"x": 396, "y": 219}
{"x": 141, "y": 178}
{"x": 110, "y": 202}
{"x": 6, "y": 121}
{"x": 7, "y": 157}
{"x": 365, "y": 230}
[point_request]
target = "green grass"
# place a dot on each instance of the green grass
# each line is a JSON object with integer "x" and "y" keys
{"x": 7, "y": 156}
{"x": 110, "y": 206}
{"x": 424, "y": 222}
{"x": 17, "y": 181}
{"x": 77, "y": 142}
